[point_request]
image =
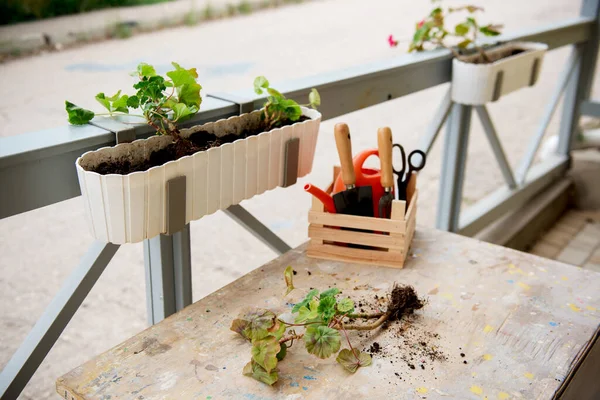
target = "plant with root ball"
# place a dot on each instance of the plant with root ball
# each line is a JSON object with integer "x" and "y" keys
{"x": 324, "y": 316}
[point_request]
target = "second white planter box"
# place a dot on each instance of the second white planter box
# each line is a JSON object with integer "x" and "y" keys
{"x": 514, "y": 65}
{"x": 131, "y": 208}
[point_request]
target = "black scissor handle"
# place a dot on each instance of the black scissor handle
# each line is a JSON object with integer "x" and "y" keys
{"x": 412, "y": 167}
{"x": 401, "y": 171}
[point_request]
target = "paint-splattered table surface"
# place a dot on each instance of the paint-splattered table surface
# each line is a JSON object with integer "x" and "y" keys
{"x": 499, "y": 324}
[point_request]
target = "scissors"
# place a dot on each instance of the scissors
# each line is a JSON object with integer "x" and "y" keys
{"x": 403, "y": 178}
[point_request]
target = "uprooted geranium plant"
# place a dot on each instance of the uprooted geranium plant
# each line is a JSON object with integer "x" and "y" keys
{"x": 322, "y": 321}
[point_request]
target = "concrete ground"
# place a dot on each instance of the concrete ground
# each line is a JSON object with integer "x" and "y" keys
{"x": 40, "y": 248}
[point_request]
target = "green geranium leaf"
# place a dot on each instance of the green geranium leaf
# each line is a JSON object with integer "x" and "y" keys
{"x": 352, "y": 361}
{"x": 144, "y": 69}
{"x": 421, "y": 33}
{"x": 288, "y": 275}
{"x": 322, "y": 341}
{"x": 291, "y": 109}
{"x": 254, "y": 324}
{"x": 189, "y": 94}
{"x": 314, "y": 98}
{"x": 275, "y": 93}
{"x": 282, "y": 353}
{"x": 330, "y": 292}
{"x": 254, "y": 370}
{"x": 181, "y": 76}
{"x": 309, "y": 297}
{"x": 345, "y": 305}
{"x": 264, "y": 352}
{"x": 133, "y": 102}
{"x": 327, "y": 308}
{"x": 120, "y": 104}
{"x": 78, "y": 115}
{"x": 113, "y": 103}
{"x": 260, "y": 83}
{"x": 461, "y": 29}
{"x": 305, "y": 314}
{"x": 101, "y": 98}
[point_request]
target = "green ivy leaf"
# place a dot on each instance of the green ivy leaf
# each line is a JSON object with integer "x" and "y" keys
{"x": 181, "y": 111}
{"x": 282, "y": 353}
{"x": 490, "y": 30}
{"x": 330, "y": 292}
{"x": 254, "y": 324}
{"x": 461, "y": 29}
{"x": 254, "y": 370}
{"x": 327, "y": 308}
{"x": 288, "y": 275}
{"x": 260, "y": 83}
{"x": 322, "y": 341}
{"x": 464, "y": 44}
{"x": 314, "y": 98}
{"x": 352, "y": 362}
{"x": 78, "y": 115}
{"x": 345, "y": 305}
{"x": 309, "y": 297}
{"x": 146, "y": 70}
{"x": 264, "y": 352}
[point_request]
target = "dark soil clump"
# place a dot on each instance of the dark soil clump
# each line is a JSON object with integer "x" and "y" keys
{"x": 403, "y": 301}
{"x": 198, "y": 141}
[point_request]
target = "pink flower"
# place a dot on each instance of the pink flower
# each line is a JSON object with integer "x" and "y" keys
{"x": 392, "y": 42}
{"x": 420, "y": 24}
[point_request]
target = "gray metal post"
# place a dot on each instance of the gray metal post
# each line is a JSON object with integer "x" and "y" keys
{"x": 57, "y": 315}
{"x": 240, "y": 215}
{"x": 453, "y": 167}
{"x": 167, "y": 261}
{"x": 580, "y": 82}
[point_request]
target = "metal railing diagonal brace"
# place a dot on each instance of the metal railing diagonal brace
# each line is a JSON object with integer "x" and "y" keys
{"x": 492, "y": 136}
{"x": 580, "y": 83}
{"x": 433, "y": 129}
{"x": 536, "y": 140}
{"x": 57, "y": 315}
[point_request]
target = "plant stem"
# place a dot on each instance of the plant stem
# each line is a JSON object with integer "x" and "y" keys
{"x": 365, "y": 315}
{"x": 289, "y": 324}
{"x": 290, "y": 337}
{"x": 384, "y": 317}
{"x": 349, "y": 343}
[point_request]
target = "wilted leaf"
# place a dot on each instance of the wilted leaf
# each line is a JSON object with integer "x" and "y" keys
{"x": 306, "y": 300}
{"x": 351, "y": 361}
{"x": 345, "y": 305}
{"x": 322, "y": 341}
{"x": 464, "y": 43}
{"x": 254, "y": 370}
{"x": 288, "y": 275}
{"x": 265, "y": 351}
{"x": 277, "y": 330}
{"x": 490, "y": 30}
{"x": 314, "y": 98}
{"x": 254, "y": 324}
{"x": 78, "y": 115}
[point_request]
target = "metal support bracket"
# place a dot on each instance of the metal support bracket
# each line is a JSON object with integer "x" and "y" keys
{"x": 167, "y": 259}
{"x": 290, "y": 166}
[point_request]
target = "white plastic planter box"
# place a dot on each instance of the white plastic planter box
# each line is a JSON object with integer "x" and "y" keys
{"x": 477, "y": 84}
{"x": 131, "y": 208}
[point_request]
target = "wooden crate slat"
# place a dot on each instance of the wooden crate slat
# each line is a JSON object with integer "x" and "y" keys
{"x": 361, "y": 238}
{"x": 371, "y": 257}
{"x": 355, "y": 222}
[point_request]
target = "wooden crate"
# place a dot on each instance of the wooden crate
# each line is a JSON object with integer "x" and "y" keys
{"x": 384, "y": 242}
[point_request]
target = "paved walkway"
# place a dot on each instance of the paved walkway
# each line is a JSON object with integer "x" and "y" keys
{"x": 40, "y": 248}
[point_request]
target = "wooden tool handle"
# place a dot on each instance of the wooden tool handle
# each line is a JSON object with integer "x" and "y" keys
{"x": 384, "y": 144}
{"x": 344, "y": 148}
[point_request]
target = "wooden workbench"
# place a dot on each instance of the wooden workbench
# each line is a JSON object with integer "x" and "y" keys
{"x": 523, "y": 323}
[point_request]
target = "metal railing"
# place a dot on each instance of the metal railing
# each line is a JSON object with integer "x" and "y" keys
{"x": 37, "y": 169}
